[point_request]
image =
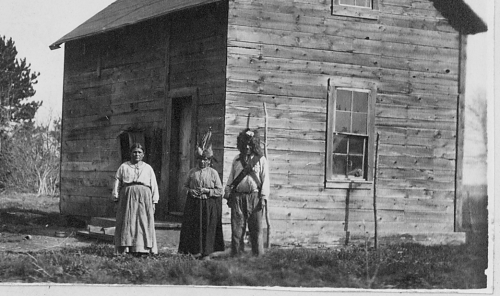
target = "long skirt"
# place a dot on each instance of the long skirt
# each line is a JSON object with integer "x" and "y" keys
{"x": 201, "y": 231}
{"x": 135, "y": 225}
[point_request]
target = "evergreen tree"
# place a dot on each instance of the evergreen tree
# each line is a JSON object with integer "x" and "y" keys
{"x": 16, "y": 86}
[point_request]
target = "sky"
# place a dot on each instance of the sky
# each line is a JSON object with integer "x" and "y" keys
{"x": 35, "y": 24}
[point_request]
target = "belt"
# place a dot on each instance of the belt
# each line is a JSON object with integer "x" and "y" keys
{"x": 132, "y": 184}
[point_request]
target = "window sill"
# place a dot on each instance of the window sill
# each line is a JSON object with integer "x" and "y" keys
{"x": 369, "y": 14}
{"x": 344, "y": 184}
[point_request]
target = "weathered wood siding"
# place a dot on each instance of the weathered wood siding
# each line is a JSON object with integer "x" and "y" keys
{"x": 112, "y": 82}
{"x": 283, "y": 53}
{"x": 119, "y": 80}
{"x": 198, "y": 59}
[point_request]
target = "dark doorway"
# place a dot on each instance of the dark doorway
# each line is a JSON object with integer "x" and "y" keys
{"x": 181, "y": 151}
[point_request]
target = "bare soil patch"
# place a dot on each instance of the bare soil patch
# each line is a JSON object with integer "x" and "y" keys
{"x": 29, "y": 223}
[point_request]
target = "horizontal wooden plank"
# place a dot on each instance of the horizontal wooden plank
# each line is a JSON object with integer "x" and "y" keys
{"x": 438, "y": 143}
{"x": 412, "y": 151}
{"x": 276, "y": 102}
{"x": 102, "y": 155}
{"x": 401, "y": 132}
{"x": 349, "y": 58}
{"x": 416, "y": 162}
{"x": 258, "y": 16}
{"x": 358, "y": 218}
{"x": 91, "y": 191}
{"x": 257, "y": 110}
{"x": 414, "y": 123}
{"x": 240, "y": 117}
{"x": 428, "y": 184}
{"x": 339, "y": 44}
{"x": 431, "y": 101}
{"x": 297, "y": 81}
{"x": 265, "y": 63}
{"x": 415, "y": 112}
{"x": 97, "y": 175}
{"x": 149, "y": 118}
{"x": 413, "y": 174}
{"x": 365, "y": 203}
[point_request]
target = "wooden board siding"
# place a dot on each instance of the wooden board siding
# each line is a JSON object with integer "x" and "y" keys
{"x": 112, "y": 82}
{"x": 197, "y": 58}
{"x": 284, "y": 52}
{"x": 120, "y": 80}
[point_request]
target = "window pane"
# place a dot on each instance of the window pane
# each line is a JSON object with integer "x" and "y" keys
{"x": 339, "y": 164}
{"x": 339, "y": 144}
{"x": 356, "y": 145}
{"x": 344, "y": 98}
{"x": 355, "y": 167}
{"x": 343, "y": 122}
{"x": 360, "y": 102}
{"x": 359, "y": 123}
{"x": 347, "y": 2}
{"x": 363, "y": 3}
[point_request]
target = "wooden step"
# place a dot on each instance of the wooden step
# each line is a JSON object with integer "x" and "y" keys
{"x": 110, "y": 222}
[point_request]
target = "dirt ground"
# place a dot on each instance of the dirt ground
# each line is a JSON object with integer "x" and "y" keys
{"x": 47, "y": 240}
{"x": 29, "y": 223}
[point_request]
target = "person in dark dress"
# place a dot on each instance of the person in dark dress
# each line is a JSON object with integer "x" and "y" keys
{"x": 201, "y": 232}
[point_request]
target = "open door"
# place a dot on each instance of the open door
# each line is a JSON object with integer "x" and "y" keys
{"x": 180, "y": 144}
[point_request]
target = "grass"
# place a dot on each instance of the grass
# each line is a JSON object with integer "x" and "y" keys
{"x": 407, "y": 266}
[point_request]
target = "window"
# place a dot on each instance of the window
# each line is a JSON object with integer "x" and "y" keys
{"x": 349, "y": 154}
{"x": 356, "y": 3}
{"x": 366, "y": 9}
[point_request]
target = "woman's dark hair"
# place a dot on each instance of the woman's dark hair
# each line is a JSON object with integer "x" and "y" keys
{"x": 137, "y": 146}
{"x": 251, "y": 138}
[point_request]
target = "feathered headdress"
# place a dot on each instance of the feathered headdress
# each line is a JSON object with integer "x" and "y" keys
{"x": 204, "y": 147}
{"x": 251, "y": 138}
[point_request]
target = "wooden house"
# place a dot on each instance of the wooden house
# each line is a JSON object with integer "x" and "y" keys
{"x": 335, "y": 76}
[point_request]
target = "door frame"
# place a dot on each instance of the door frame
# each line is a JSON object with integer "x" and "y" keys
{"x": 167, "y": 135}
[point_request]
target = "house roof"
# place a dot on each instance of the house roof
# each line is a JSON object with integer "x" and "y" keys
{"x": 122, "y": 13}
{"x": 461, "y": 17}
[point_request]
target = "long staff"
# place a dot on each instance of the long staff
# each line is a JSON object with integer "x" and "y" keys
{"x": 375, "y": 222}
{"x": 268, "y": 222}
{"x": 201, "y": 228}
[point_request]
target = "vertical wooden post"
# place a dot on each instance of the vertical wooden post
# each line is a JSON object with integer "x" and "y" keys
{"x": 375, "y": 170}
{"x": 266, "y": 208}
{"x": 346, "y": 221}
{"x": 460, "y": 127}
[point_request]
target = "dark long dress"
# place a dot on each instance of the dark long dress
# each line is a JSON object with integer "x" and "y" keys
{"x": 208, "y": 211}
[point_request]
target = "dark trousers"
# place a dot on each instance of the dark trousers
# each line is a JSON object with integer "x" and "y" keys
{"x": 246, "y": 209}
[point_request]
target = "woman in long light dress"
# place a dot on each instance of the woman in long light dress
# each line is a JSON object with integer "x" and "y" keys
{"x": 136, "y": 193}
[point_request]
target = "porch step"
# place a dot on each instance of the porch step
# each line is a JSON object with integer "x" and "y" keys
{"x": 105, "y": 222}
{"x": 103, "y": 228}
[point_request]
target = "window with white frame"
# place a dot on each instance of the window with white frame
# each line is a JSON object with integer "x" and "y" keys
{"x": 350, "y": 134}
{"x": 366, "y": 9}
{"x": 356, "y": 3}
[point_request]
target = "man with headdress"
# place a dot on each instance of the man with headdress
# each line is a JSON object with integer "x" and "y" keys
{"x": 201, "y": 232}
{"x": 247, "y": 191}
